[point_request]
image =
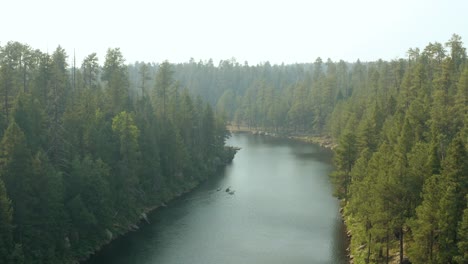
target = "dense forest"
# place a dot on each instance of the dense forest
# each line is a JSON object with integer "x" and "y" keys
{"x": 402, "y": 132}
{"x": 85, "y": 150}
{"x": 402, "y": 164}
{"x": 83, "y": 156}
{"x": 298, "y": 98}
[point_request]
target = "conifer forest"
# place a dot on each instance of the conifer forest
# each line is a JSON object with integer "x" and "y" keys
{"x": 88, "y": 148}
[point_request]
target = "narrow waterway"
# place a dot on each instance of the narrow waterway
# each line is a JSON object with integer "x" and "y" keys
{"x": 282, "y": 211}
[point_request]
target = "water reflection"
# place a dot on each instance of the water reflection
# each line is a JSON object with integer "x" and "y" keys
{"x": 282, "y": 212}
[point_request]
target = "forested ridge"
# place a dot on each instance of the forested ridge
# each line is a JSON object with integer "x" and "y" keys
{"x": 83, "y": 156}
{"x": 402, "y": 132}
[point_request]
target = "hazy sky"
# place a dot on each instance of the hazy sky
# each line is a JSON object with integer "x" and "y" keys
{"x": 254, "y": 30}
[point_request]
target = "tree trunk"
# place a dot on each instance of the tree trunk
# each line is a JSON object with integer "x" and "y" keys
{"x": 368, "y": 248}
{"x": 387, "y": 249}
{"x": 401, "y": 244}
{"x": 431, "y": 245}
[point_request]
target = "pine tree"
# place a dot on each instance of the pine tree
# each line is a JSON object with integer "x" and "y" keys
{"x": 126, "y": 185}
{"x": 145, "y": 77}
{"x": 457, "y": 54}
{"x": 115, "y": 74}
{"x": 16, "y": 172}
{"x": 6, "y": 225}
{"x": 47, "y": 190}
{"x": 345, "y": 156}
{"x": 461, "y": 100}
{"x": 463, "y": 237}
{"x": 31, "y": 118}
{"x": 454, "y": 172}
{"x": 89, "y": 203}
{"x": 56, "y": 102}
{"x": 90, "y": 69}
{"x": 359, "y": 206}
{"x": 425, "y": 225}
{"x": 162, "y": 92}
{"x": 7, "y": 87}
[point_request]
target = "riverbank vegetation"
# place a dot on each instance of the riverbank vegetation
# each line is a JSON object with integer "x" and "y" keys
{"x": 86, "y": 149}
{"x": 83, "y": 156}
{"x": 401, "y": 129}
{"x": 401, "y": 161}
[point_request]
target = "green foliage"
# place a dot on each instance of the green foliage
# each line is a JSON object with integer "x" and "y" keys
{"x": 6, "y": 225}
{"x": 90, "y": 71}
{"x": 424, "y": 228}
{"x": 79, "y": 166}
{"x": 463, "y": 235}
{"x": 412, "y": 161}
{"x": 346, "y": 156}
{"x": 30, "y": 117}
{"x": 162, "y": 89}
{"x": 114, "y": 73}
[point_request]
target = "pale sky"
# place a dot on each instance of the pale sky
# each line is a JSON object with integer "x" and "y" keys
{"x": 286, "y": 31}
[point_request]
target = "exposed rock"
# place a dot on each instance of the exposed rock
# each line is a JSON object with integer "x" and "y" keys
{"x": 145, "y": 217}
{"x": 361, "y": 247}
{"x": 109, "y": 234}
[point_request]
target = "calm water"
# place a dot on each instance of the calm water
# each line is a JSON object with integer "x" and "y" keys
{"x": 282, "y": 212}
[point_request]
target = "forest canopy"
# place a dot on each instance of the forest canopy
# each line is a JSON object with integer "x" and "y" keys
{"x": 83, "y": 157}
{"x": 86, "y": 149}
{"x": 401, "y": 129}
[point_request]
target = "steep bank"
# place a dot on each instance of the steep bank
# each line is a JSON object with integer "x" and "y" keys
{"x": 143, "y": 218}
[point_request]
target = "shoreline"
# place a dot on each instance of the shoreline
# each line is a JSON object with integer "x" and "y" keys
{"x": 142, "y": 220}
{"x": 143, "y": 217}
{"x": 347, "y": 234}
{"x": 323, "y": 141}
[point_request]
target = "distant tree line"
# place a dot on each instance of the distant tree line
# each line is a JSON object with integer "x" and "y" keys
{"x": 83, "y": 155}
{"x": 297, "y": 98}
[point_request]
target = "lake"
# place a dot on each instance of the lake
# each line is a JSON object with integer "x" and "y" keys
{"x": 282, "y": 211}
